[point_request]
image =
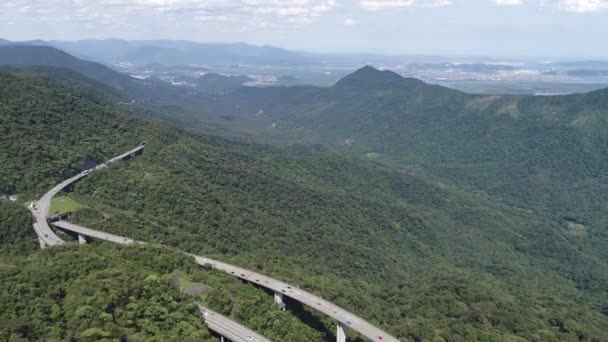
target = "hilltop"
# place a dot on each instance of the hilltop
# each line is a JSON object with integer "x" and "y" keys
{"x": 545, "y": 154}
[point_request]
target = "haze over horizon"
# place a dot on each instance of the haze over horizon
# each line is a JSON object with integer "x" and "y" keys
{"x": 494, "y": 28}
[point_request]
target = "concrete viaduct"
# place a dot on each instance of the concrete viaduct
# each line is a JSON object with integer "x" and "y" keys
{"x": 223, "y": 326}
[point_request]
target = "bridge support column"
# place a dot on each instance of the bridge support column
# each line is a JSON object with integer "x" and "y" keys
{"x": 221, "y": 338}
{"x": 42, "y": 244}
{"x": 81, "y": 239}
{"x": 340, "y": 335}
{"x": 278, "y": 299}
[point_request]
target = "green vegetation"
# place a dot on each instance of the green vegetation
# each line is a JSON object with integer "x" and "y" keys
{"x": 287, "y": 214}
{"x": 49, "y": 133}
{"x": 423, "y": 259}
{"x": 63, "y": 205}
{"x": 111, "y": 293}
{"x": 216, "y": 83}
{"x": 17, "y": 235}
{"x": 543, "y": 154}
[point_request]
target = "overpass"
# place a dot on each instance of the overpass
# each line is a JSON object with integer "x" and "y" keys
{"x": 343, "y": 317}
{"x": 228, "y": 328}
{"x": 40, "y": 209}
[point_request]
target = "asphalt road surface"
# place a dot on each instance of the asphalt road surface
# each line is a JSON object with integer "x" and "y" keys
{"x": 348, "y": 319}
{"x": 41, "y": 208}
{"x": 229, "y": 328}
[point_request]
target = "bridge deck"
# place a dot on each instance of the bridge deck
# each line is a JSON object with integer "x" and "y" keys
{"x": 43, "y": 205}
{"x": 347, "y": 318}
{"x": 229, "y": 328}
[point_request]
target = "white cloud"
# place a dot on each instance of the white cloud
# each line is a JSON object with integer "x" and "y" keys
{"x": 376, "y": 5}
{"x": 583, "y": 5}
{"x": 212, "y": 18}
{"x": 199, "y": 12}
{"x": 351, "y": 22}
{"x": 287, "y": 8}
{"x": 509, "y": 2}
{"x": 384, "y": 4}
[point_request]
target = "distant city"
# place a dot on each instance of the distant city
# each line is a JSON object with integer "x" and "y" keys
{"x": 182, "y": 63}
{"x": 538, "y": 78}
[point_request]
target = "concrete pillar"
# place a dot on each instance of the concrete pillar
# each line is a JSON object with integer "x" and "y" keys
{"x": 42, "y": 244}
{"x": 278, "y": 299}
{"x": 81, "y": 239}
{"x": 340, "y": 335}
{"x": 221, "y": 338}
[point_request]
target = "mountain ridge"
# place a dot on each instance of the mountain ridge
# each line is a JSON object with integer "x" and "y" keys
{"x": 23, "y": 56}
{"x": 176, "y": 52}
{"x": 518, "y": 148}
{"x": 396, "y": 245}
{"x": 369, "y": 76}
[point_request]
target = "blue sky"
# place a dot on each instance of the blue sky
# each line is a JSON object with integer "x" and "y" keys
{"x": 536, "y": 28}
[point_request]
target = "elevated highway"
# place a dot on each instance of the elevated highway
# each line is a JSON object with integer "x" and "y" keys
{"x": 95, "y": 234}
{"x": 343, "y": 317}
{"x": 40, "y": 209}
{"x": 216, "y": 322}
{"x": 229, "y": 328}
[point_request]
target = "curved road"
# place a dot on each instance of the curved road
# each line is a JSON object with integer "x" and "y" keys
{"x": 229, "y": 328}
{"x": 41, "y": 208}
{"x": 216, "y": 322}
{"x": 346, "y": 318}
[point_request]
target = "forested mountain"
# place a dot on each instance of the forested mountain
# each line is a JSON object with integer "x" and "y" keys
{"x": 20, "y": 56}
{"x": 111, "y": 293}
{"x": 421, "y": 258}
{"x": 176, "y": 52}
{"x": 216, "y": 83}
{"x": 545, "y": 154}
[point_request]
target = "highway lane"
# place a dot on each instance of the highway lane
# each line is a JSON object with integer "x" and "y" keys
{"x": 348, "y": 319}
{"x": 40, "y": 208}
{"x": 229, "y": 328}
{"x": 95, "y": 234}
{"x": 41, "y": 211}
{"x": 215, "y": 321}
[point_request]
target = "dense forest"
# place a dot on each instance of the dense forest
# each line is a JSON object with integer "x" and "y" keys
{"x": 112, "y": 293}
{"x": 424, "y": 259}
{"x": 539, "y": 153}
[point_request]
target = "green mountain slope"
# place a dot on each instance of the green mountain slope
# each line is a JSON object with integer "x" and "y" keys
{"x": 50, "y": 132}
{"x": 21, "y": 56}
{"x": 545, "y": 154}
{"x": 420, "y": 258}
{"x": 110, "y": 293}
{"x": 177, "y": 52}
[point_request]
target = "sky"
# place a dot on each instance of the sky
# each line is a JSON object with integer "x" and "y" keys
{"x": 510, "y": 28}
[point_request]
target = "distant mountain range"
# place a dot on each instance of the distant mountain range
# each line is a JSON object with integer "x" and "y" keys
{"x": 427, "y": 260}
{"x": 26, "y": 55}
{"x": 487, "y": 222}
{"x": 536, "y": 151}
{"x": 524, "y": 142}
{"x": 179, "y": 52}
{"x": 169, "y": 52}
